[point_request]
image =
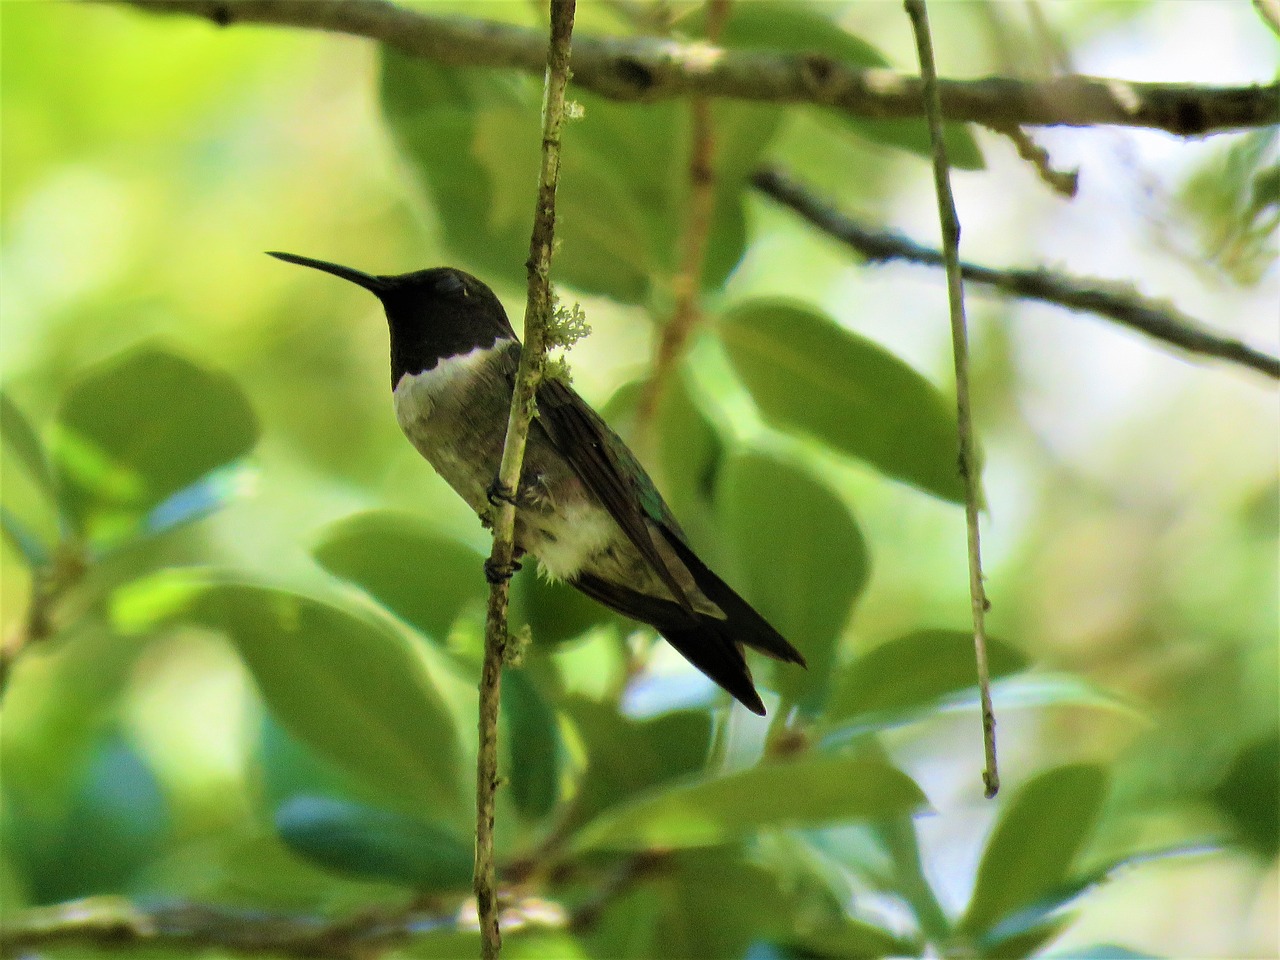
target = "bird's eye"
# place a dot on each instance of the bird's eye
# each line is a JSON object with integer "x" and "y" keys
{"x": 451, "y": 285}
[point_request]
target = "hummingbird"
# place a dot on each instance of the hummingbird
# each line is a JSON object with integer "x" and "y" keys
{"x": 585, "y": 508}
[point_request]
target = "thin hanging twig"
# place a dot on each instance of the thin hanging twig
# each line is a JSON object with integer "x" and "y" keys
{"x": 501, "y": 562}
{"x": 960, "y": 350}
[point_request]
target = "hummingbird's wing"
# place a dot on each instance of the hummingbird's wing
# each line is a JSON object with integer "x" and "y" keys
{"x": 612, "y": 473}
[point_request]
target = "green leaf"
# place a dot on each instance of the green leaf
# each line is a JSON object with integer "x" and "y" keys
{"x": 21, "y": 439}
{"x": 31, "y": 548}
{"x": 555, "y": 612}
{"x": 374, "y": 844}
{"x": 1036, "y": 840}
{"x": 801, "y": 559}
{"x": 417, "y": 573}
{"x": 850, "y": 939}
{"x": 808, "y": 374}
{"x": 794, "y": 27}
{"x": 723, "y": 902}
{"x": 473, "y": 139}
{"x": 349, "y": 686}
{"x": 1022, "y": 931}
{"x": 1248, "y": 795}
{"x": 534, "y": 737}
{"x": 911, "y": 674}
{"x": 812, "y": 790}
{"x": 139, "y": 429}
{"x": 626, "y": 757}
{"x": 1046, "y": 690}
{"x": 287, "y": 767}
{"x": 1023, "y": 943}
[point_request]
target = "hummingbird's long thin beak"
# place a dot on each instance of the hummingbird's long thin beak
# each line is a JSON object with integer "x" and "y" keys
{"x": 371, "y": 283}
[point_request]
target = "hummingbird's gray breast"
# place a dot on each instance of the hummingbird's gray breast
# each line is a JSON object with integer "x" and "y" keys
{"x": 455, "y": 414}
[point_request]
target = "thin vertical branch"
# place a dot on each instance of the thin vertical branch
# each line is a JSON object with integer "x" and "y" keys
{"x": 960, "y": 350}
{"x": 501, "y": 561}
{"x": 693, "y": 244}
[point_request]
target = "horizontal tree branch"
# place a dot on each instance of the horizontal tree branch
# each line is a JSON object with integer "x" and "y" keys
{"x": 116, "y": 924}
{"x": 1104, "y": 298}
{"x": 651, "y": 68}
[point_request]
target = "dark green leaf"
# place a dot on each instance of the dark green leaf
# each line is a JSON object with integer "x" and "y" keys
{"x": 405, "y": 564}
{"x": 1036, "y": 840}
{"x": 21, "y": 439}
{"x": 375, "y": 844}
{"x": 347, "y": 685}
{"x": 697, "y": 904}
{"x": 287, "y": 768}
{"x": 534, "y": 736}
{"x": 911, "y": 674}
{"x": 806, "y": 373}
{"x": 801, "y": 560}
{"x": 1249, "y": 796}
{"x": 136, "y": 431}
{"x": 625, "y": 756}
{"x": 555, "y": 612}
{"x": 814, "y": 789}
{"x": 794, "y": 27}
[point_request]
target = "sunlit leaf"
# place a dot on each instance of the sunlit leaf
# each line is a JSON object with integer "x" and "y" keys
{"x": 802, "y": 567}
{"x": 375, "y": 844}
{"x": 807, "y": 373}
{"x": 911, "y": 674}
{"x": 1012, "y": 691}
{"x": 1038, "y": 837}
{"x": 137, "y": 430}
{"x": 1046, "y": 690}
{"x": 349, "y": 686}
{"x": 407, "y": 565}
{"x": 812, "y": 790}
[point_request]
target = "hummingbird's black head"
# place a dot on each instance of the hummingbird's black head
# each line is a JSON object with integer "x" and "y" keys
{"x": 433, "y": 314}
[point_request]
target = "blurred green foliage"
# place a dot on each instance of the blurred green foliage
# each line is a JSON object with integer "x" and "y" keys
{"x": 199, "y": 455}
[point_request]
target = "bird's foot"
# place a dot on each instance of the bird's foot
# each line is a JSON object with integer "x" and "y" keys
{"x": 499, "y": 573}
{"x": 497, "y": 494}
